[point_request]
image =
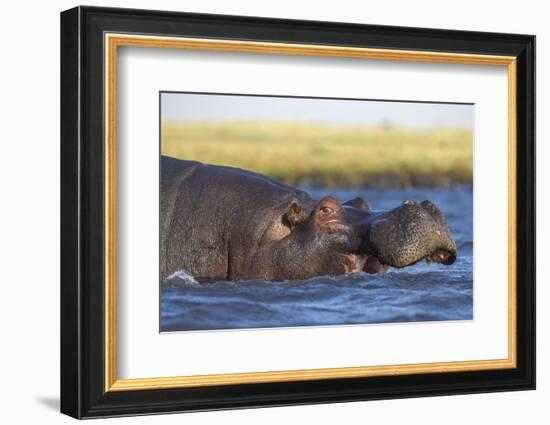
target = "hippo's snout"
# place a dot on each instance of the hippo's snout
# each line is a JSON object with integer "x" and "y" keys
{"x": 410, "y": 233}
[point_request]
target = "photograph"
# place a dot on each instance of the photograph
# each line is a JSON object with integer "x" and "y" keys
{"x": 286, "y": 211}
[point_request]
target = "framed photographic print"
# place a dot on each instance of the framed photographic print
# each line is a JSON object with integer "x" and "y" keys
{"x": 261, "y": 212}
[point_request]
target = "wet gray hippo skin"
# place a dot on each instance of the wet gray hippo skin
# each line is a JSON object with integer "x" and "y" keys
{"x": 229, "y": 224}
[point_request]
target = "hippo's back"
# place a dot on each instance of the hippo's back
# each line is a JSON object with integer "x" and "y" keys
{"x": 203, "y": 207}
{"x": 210, "y": 184}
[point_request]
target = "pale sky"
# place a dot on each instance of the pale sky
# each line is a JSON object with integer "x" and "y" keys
{"x": 208, "y": 107}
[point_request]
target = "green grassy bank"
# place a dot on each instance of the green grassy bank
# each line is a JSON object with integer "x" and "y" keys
{"x": 328, "y": 156}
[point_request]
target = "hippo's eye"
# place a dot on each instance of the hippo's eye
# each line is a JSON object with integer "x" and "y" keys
{"x": 326, "y": 210}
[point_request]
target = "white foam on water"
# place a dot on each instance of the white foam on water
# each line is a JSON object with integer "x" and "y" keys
{"x": 181, "y": 277}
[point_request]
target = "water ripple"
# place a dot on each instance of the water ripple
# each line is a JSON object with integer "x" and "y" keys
{"x": 418, "y": 293}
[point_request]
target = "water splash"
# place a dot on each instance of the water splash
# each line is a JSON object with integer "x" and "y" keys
{"x": 180, "y": 278}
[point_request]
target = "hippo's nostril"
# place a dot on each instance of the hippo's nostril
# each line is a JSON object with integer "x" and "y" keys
{"x": 428, "y": 205}
{"x": 409, "y": 202}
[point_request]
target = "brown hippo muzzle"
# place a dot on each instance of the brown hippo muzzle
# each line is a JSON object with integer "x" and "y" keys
{"x": 406, "y": 235}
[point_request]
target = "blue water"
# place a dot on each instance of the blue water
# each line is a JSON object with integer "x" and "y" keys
{"x": 417, "y": 293}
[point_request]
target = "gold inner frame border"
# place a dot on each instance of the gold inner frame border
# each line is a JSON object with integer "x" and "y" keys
{"x": 113, "y": 40}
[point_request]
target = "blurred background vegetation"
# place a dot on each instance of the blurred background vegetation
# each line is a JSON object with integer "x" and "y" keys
{"x": 327, "y": 155}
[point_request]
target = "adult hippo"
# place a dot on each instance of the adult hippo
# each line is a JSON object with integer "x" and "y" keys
{"x": 229, "y": 224}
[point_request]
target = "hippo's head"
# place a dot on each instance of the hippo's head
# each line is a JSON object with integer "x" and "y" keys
{"x": 339, "y": 238}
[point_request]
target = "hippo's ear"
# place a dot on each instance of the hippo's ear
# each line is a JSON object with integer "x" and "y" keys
{"x": 358, "y": 203}
{"x": 295, "y": 214}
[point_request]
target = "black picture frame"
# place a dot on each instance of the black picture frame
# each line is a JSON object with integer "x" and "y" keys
{"x": 83, "y": 392}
